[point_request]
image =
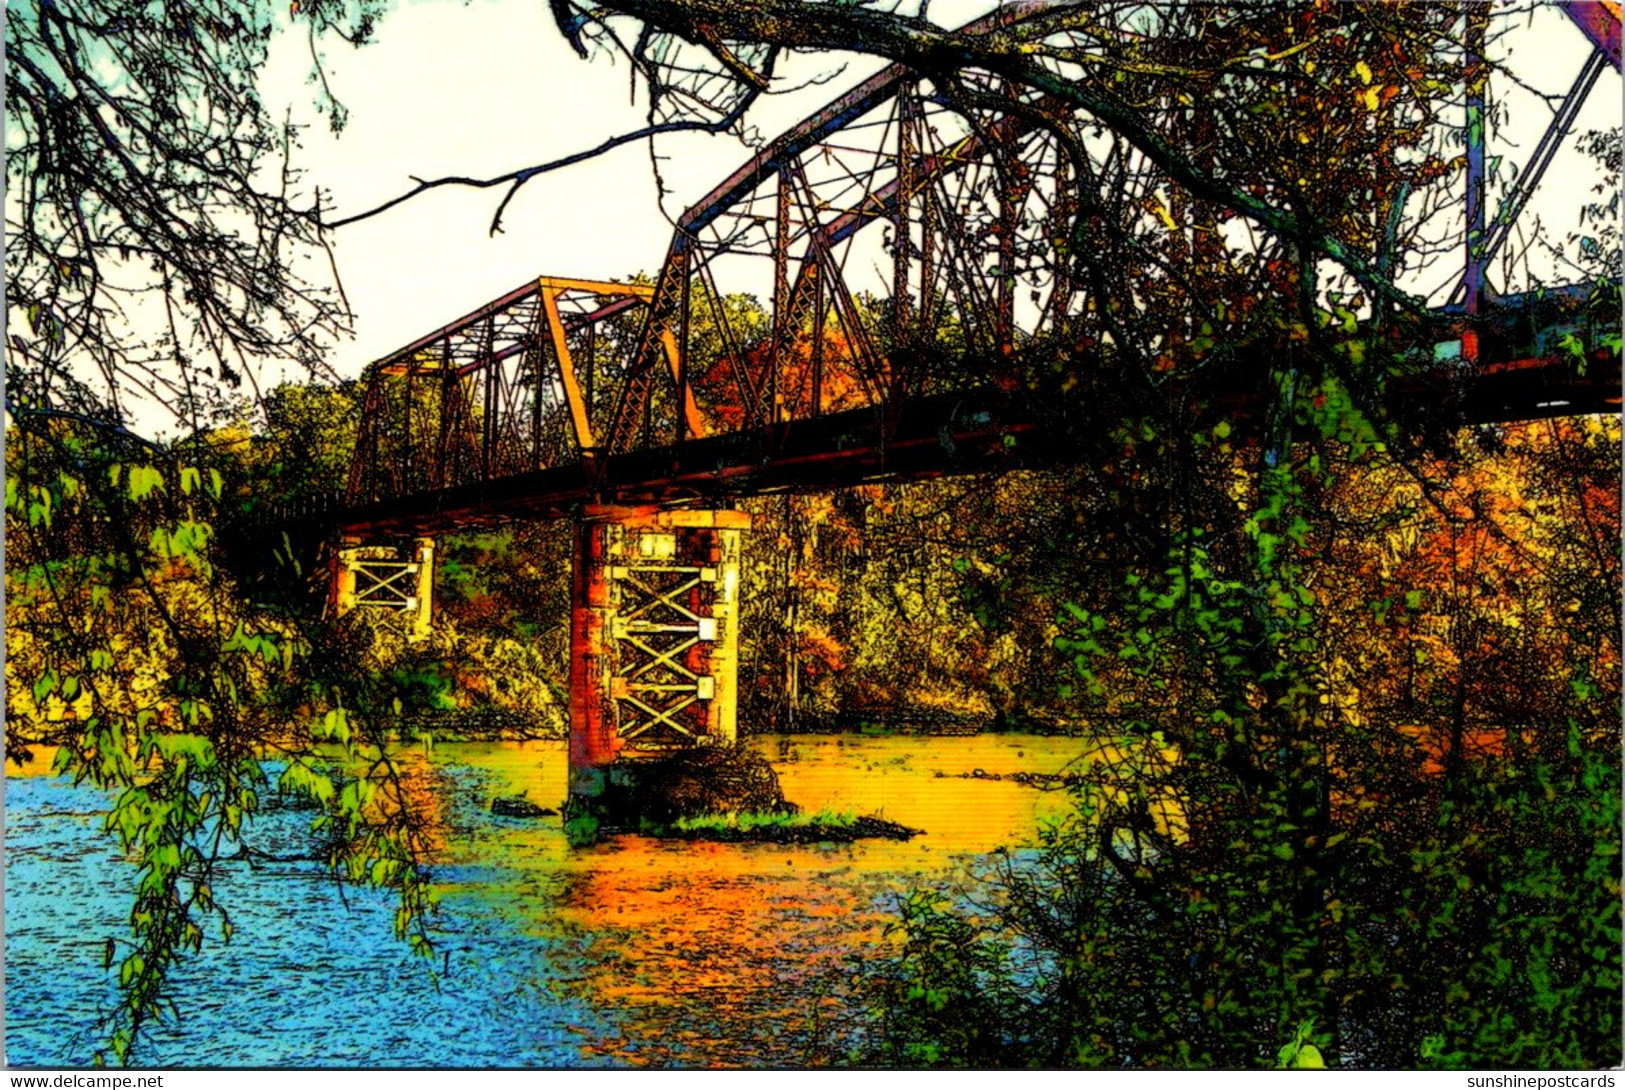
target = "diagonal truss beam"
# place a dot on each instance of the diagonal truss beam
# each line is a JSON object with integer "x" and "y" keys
{"x": 658, "y": 342}
{"x": 1599, "y": 21}
{"x": 558, "y": 332}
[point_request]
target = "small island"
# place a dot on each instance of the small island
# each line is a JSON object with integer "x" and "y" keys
{"x": 824, "y": 827}
{"x": 719, "y": 793}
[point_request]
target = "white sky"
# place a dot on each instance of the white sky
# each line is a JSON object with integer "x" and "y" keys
{"x": 485, "y": 86}
{"x": 479, "y": 89}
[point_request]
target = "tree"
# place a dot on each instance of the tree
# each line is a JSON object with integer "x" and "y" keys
{"x": 161, "y": 246}
{"x": 160, "y": 249}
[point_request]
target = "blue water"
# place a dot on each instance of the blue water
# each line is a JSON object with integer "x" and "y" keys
{"x": 631, "y": 953}
{"x": 313, "y": 977}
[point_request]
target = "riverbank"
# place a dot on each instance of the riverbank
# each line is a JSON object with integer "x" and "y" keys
{"x": 491, "y": 724}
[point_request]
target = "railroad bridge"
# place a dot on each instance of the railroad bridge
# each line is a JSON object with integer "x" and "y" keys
{"x": 911, "y": 252}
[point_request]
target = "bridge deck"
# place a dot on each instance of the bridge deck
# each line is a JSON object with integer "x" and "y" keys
{"x": 936, "y": 437}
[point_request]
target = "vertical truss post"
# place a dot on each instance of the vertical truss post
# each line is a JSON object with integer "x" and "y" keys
{"x": 1477, "y": 74}
{"x": 781, "y": 297}
{"x": 900, "y": 220}
{"x": 536, "y": 355}
{"x": 1010, "y": 194}
{"x": 648, "y": 420}
{"x": 407, "y": 439}
{"x": 820, "y": 305}
{"x": 1062, "y": 212}
{"x": 928, "y": 269}
{"x": 492, "y": 398}
{"x": 684, "y": 394}
{"x": 591, "y": 367}
{"x": 448, "y": 383}
{"x": 654, "y": 636}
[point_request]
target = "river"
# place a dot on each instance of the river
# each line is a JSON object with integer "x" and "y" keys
{"x": 633, "y": 952}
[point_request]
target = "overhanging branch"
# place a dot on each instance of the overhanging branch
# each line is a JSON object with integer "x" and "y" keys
{"x": 755, "y": 87}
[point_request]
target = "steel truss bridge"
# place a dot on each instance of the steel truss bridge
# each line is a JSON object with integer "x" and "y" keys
{"x": 566, "y": 391}
{"x": 909, "y": 252}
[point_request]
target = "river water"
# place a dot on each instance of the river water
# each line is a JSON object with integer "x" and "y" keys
{"x": 632, "y": 952}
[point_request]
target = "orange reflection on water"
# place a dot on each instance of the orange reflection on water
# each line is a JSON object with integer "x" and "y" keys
{"x": 705, "y": 954}
{"x": 738, "y": 954}
{"x": 691, "y": 939}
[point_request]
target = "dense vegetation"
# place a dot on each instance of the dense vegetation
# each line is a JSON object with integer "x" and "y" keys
{"x": 1374, "y": 808}
{"x": 1377, "y": 808}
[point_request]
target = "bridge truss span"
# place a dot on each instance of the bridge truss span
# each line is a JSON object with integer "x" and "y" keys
{"x": 513, "y": 388}
{"x": 859, "y": 299}
{"x": 889, "y": 291}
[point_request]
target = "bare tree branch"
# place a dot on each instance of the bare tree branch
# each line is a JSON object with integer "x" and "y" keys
{"x": 514, "y": 179}
{"x": 658, "y": 74}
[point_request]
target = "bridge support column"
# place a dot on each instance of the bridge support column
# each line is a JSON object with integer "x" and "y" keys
{"x": 654, "y": 640}
{"x": 422, "y": 609}
{"x": 388, "y": 578}
{"x": 341, "y": 583}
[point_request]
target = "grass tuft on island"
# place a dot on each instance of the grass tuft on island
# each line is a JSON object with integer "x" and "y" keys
{"x": 822, "y": 827}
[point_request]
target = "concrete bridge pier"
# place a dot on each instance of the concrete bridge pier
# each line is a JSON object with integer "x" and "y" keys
{"x": 654, "y": 642}
{"x": 389, "y": 578}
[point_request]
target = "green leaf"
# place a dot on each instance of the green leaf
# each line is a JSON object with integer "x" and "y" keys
{"x": 144, "y": 480}
{"x": 300, "y": 779}
{"x": 335, "y": 727}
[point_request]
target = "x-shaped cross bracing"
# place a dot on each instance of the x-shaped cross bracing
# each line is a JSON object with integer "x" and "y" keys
{"x": 389, "y": 584}
{"x": 658, "y": 658}
{"x": 634, "y": 629}
{"x": 667, "y": 597}
{"x": 656, "y": 716}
